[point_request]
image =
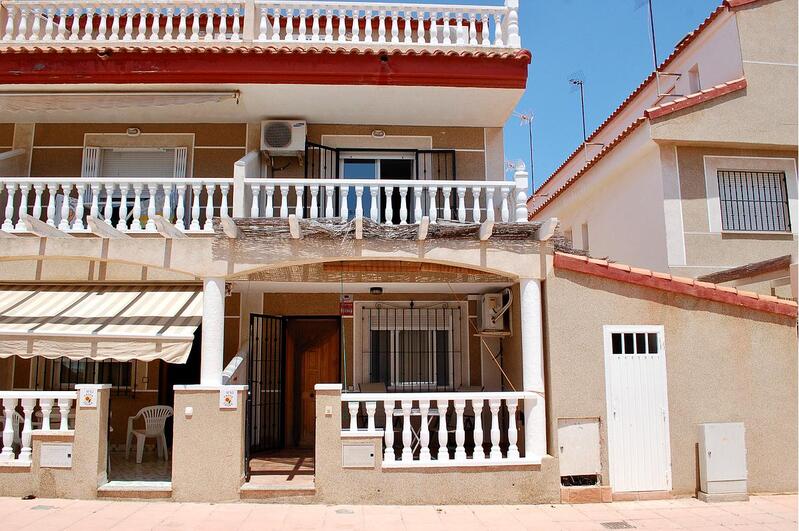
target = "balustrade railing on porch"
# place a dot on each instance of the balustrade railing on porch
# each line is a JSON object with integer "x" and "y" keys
{"x": 487, "y": 426}
{"x": 24, "y": 411}
{"x": 290, "y": 22}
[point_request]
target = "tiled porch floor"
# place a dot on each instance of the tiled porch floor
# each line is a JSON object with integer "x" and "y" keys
{"x": 289, "y": 467}
{"x": 151, "y": 468}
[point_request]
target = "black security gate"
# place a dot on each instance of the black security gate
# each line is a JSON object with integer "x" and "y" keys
{"x": 266, "y": 364}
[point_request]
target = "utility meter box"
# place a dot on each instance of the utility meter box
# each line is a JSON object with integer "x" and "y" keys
{"x": 357, "y": 454}
{"x": 722, "y": 462}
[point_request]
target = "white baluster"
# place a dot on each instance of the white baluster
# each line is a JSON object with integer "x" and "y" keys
{"x": 367, "y": 29}
{"x": 388, "y": 432}
{"x": 114, "y": 24}
{"x": 168, "y": 26}
{"x": 476, "y": 204}
{"x": 9, "y": 406}
{"x": 485, "y": 39}
{"x": 495, "y": 454}
{"x": 94, "y": 208}
{"x": 152, "y": 190}
{"x": 490, "y": 211}
{"x": 314, "y": 213}
{"x": 88, "y": 24}
{"x": 513, "y": 434}
{"x": 352, "y": 406}
{"x": 36, "y": 27}
{"x": 394, "y": 25}
{"x": 210, "y": 189}
{"x": 8, "y": 221}
{"x": 64, "y": 405}
{"x": 299, "y": 207}
{"x": 407, "y": 35}
{"x": 434, "y": 27}
{"x": 498, "y": 42}
{"x": 417, "y": 204}
{"x": 341, "y": 34}
{"x": 407, "y": 452}
{"x": 514, "y": 41}
{"x": 122, "y": 223}
{"x": 196, "y": 190}
{"x": 36, "y": 212}
{"x": 424, "y": 431}
{"x": 182, "y": 24}
{"x": 108, "y": 205}
{"x": 276, "y": 25}
{"x": 433, "y": 213}
{"x": 102, "y": 28}
{"x": 329, "y": 210}
{"x": 22, "y": 209}
{"x": 209, "y": 23}
{"x": 74, "y": 26}
{"x": 389, "y": 206}
{"x": 26, "y": 451}
{"x": 344, "y": 201}
{"x": 129, "y": 13}
{"x": 447, "y": 208}
{"x": 180, "y": 208}
{"x": 371, "y": 407}
{"x": 48, "y": 25}
{"x": 195, "y": 24}
{"x": 381, "y": 27}
{"x": 223, "y": 207}
{"x": 289, "y": 25}
{"x": 443, "y": 434}
{"x": 477, "y": 407}
{"x": 284, "y": 202}
{"x": 420, "y": 38}
{"x": 403, "y": 192}
{"x": 356, "y": 25}
{"x": 460, "y": 33}
{"x": 255, "y": 190}
{"x": 155, "y": 26}
{"x": 166, "y": 208}
{"x": 66, "y": 190}
{"x": 374, "y": 211}
{"x": 358, "y": 202}
{"x": 302, "y": 26}
{"x": 461, "y": 204}
{"x": 262, "y": 24}
{"x": 505, "y": 210}
{"x": 141, "y": 30}
{"x": 270, "y": 192}
{"x": 52, "y": 188}
{"x": 472, "y": 29}
{"x": 315, "y": 26}
{"x": 236, "y": 30}
{"x": 8, "y": 34}
{"x": 46, "y": 407}
{"x": 460, "y": 433}
{"x": 446, "y": 30}
{"x": 135, "y": 222}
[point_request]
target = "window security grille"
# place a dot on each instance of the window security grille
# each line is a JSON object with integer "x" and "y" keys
{"x": 634, "y": 342}
{"x": 412, "y": 349}
{"x": 753, "y": 201}
{"x": 63, "y": 374}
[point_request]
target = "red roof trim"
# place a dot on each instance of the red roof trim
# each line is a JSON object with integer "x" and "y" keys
{"x": 264, "y": 65}
{"x": 690, "y": 37}
{"x": 683, "y": 286}
{"x": 695, "y": 99}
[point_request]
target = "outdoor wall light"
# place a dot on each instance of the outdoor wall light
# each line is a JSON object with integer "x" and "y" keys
{"x": 377, "y": 290}
{"x": 378, "y": 133}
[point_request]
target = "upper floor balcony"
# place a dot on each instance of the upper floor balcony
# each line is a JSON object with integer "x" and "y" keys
{"x": 365, "y": 25}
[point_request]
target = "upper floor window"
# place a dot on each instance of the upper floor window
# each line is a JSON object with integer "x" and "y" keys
{"x": 755, "y": 201}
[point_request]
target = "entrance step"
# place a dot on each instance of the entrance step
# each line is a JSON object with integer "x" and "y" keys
{"x": 136, "y": 490}
{"x": 265, "y": 491}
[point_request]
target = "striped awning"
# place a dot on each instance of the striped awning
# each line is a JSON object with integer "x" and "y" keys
{"x": 99, "y": 322}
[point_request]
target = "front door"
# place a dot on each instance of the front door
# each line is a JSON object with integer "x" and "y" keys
{"x": 638, "y": 411}
{"x": 313, "y": 348}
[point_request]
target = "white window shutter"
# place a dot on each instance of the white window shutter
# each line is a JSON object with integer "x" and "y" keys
{"x": 181, "y": 155}
{"x": 91, "y": 162}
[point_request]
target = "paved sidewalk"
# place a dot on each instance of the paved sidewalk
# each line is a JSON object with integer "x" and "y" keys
{"x": 761, "y": 512}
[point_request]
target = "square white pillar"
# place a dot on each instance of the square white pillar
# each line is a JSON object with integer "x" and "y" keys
{"x": 535, "y": 430}
{"x": 213, "y": 334}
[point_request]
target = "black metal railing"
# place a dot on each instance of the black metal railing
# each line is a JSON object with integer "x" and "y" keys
{"x": 63, "y": 374}
{"x": 754, "y": 201}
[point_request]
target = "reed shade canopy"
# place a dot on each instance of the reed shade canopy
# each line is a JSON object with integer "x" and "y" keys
{"x": 100, "y": 322}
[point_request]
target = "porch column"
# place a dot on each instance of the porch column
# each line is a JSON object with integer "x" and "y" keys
{"x": 213, "y": 331}
{"x": 535, "y": 435}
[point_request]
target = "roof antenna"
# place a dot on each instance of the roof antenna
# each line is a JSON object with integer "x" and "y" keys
{"x": 527, "y": 118}
{"x": 656, "y": 64}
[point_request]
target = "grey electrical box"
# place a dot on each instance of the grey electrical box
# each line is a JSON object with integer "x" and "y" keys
{"x": 578, "y": 446}
{"x": 358, "y": 455}
{"x": 56, "y": 455}
{"x": 722, "y": 462}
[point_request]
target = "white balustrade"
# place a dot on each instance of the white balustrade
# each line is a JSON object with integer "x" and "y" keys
{"x": 341, "y": 23}
{"x": 129, "y": 205}
{"x": 464, "y": 201}
{"x": 450, "y": 417}
{"x": 25, "y": 411}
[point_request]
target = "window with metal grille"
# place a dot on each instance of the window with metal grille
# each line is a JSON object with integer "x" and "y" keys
{"x": 412, "y": 349}
{"x": 634, "y": 343}
{"x": 754, "y": 201}
{"x": 63, "y": 374}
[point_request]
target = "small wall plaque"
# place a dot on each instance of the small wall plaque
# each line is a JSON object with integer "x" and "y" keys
{"x": 88, "y": 397}
{"x": 228, "y": 398}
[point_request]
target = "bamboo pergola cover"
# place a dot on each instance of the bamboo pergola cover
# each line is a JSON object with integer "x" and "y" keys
{"x": 99, "y": 322}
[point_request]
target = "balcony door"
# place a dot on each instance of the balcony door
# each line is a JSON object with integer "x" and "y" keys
{"x": 379, "y": 166}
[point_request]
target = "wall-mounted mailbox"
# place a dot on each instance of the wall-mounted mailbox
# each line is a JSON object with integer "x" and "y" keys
{"x": 56, "y": 455}
{"x": 358, "y": 455}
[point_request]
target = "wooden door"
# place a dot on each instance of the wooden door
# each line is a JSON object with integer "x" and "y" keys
{"x": 314, "y": 347}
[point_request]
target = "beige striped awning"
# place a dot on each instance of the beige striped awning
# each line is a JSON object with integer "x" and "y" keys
{"x": 99, "y": 322}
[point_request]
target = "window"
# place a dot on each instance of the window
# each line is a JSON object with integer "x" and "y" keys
{"x": 584, "y": 230}
{"x": 754, "y": 201}
{"x": 368, "y": 165}
{"x": 412, "y": 348}
{"x": 634, "y": 342}
{"x": 63, "y": 374}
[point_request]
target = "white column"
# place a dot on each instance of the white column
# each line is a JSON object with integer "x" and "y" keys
{"x": 213, "y": 331}
{"x": 535, "y": 434}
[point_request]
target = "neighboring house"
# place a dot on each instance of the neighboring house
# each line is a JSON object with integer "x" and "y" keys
{"x": 695, "y": 172}
{"x": 289, "y": 222}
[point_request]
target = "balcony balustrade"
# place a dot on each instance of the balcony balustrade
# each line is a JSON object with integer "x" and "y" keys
{"x": 261, "y": 22}
{"x": 25, "y": 411}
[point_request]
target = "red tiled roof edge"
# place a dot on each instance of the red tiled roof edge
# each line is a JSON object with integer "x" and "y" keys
{"x": 690, "y": 37}
{"x": 739, "y": 3}
{"x": 695, "y": 99}
{"x": 683, "y": 286}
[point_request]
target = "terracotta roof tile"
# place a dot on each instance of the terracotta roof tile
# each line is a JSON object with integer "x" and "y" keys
{"x": 681, "y": 285}
{"x": 695, "y": 99}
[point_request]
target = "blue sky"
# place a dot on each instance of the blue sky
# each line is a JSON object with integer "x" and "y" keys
{"x": 608, "y": 41}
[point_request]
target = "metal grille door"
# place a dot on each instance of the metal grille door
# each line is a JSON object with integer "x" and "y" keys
{"x": 265, "y": 369}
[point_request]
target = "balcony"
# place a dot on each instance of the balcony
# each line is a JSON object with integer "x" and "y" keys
{"x": 264, "y": 23}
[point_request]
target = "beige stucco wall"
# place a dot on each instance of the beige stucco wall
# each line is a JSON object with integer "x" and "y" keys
{"x": 503, "y": 485}
{"x": 724, "y": 364}
{"x": 207, "y": 446}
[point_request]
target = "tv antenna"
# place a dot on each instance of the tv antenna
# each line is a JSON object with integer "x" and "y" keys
{"x": 577, "y": 82}
{"x": 527, "y": 118}
{"x": 655, "y": 62}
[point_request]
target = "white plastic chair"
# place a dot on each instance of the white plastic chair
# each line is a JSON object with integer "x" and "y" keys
{"x": 17, "y": 420}
{"x": 154, "y": 424}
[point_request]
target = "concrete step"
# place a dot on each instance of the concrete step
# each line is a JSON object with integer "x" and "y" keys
{"x": 263, "y": 491}
{"x": 136, "y": 490}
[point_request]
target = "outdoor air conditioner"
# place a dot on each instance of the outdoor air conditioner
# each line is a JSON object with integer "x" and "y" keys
{"x": 493, "y": 312}
{"x": 283, "y": 137}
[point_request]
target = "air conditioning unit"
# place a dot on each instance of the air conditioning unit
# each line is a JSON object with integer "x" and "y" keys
{"x": 283, "y": 137}
{"x": 494, "y": 312}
